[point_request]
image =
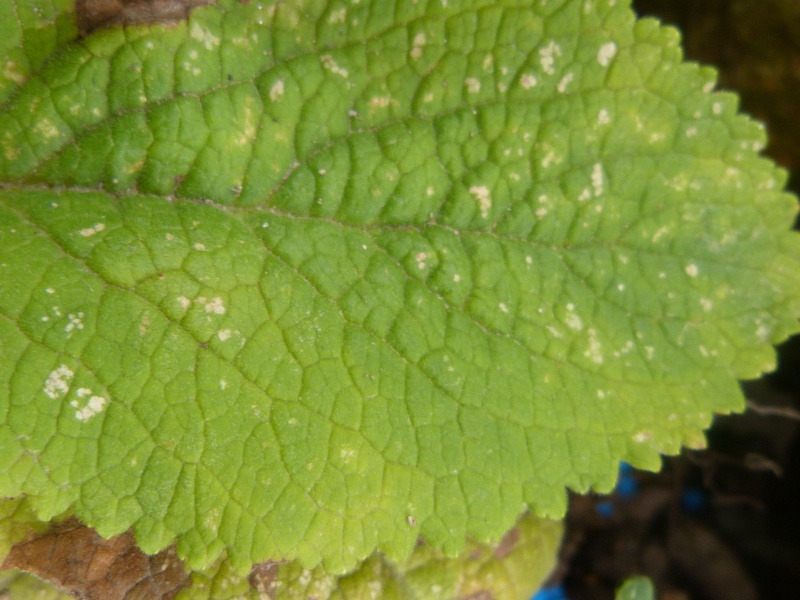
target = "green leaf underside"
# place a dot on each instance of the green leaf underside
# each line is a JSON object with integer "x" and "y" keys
{"x": 314, "y": 280}
{"x": 513, "y": 570}
{"x": 21, "y": 586}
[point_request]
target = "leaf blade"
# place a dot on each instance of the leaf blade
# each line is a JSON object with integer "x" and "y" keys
{"x": 356, "y": 297}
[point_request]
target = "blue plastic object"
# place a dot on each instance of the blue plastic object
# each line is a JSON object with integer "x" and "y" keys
{"x": 604, "y": 508}
{"x": 555, "y": 592}
{"x": 627, "y": 486}
{"x": 693, "y": 500}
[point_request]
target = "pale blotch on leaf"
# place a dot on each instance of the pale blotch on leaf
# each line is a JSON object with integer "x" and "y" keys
{"x": 57, "y": 382}
{"x": 606, "y": 53}
{"x": 484, "y": 198}
{"x": 90, "y": 231}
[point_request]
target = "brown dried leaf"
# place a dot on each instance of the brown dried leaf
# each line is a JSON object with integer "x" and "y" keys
{"x": 76, "y": 559}
{"x": 94, "y": 14}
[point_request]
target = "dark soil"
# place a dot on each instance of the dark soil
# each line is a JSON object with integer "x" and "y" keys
{"x": 723, "y": 524}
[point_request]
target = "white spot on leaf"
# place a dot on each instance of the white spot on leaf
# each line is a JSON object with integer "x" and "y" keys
{"x": 660, "y": 233}
{"x": 565, "y": 81}
{"x": 573, "y": 321}
{"x": 10, "y": 72}
{"x": 215, "y": 305}
{"x": 90, "y": 231}
{"x": 144, "y": 323}
{"x": 277, "y": 90}
{"x": 204, "y": 36}
{"x": 75, "y": 322}
{"x": 92, "y": 408}
{"x": 338, "y": 16}
{"x": 528, "y": 80}
{"x": 484, "y": 198}
{"x": 597, "y": 179}
{"x": 377, "y": 102}
{"x": 331, "y": 65}
{"x": 595, "y": 350}
{"x": 417, "y": 45}
{"x": 473, "y": 85}
{"x": 547, "y": 57}
{"x": 57, "y": 382}
{"x": 46, "y": 128}
{"x": 606, "y": 53}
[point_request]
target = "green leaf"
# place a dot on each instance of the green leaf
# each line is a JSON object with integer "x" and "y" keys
{"x": 310, "y": 280}
{"x": 636, "y": 588}
{"x": 21, "y": 586}
{"x": 17, "y": 520}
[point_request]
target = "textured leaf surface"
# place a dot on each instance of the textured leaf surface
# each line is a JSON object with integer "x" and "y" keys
{"x": 306, "y": 280}
{"x": 29, "y": 33}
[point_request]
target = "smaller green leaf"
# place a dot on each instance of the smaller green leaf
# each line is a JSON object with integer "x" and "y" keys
{"x": 17, "y": 520}
{"x": 15, "y": 585}
{"x": 636, "y": 588}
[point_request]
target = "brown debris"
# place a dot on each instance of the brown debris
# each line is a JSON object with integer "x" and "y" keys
{"x": 96, "y": 14}
{"x": 264, "y": 578}
{"x": 76, "y": 559}
{"x": 482, "y": 595}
